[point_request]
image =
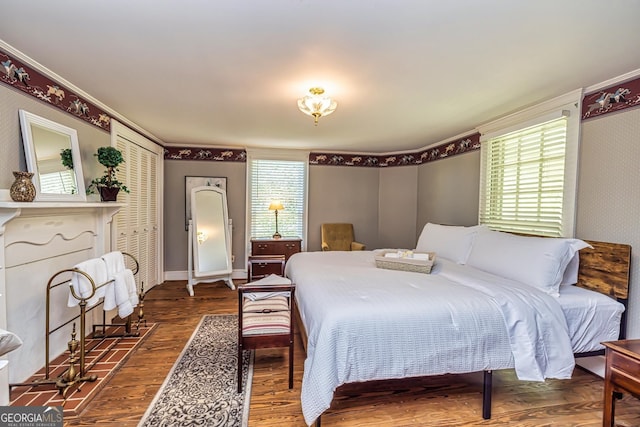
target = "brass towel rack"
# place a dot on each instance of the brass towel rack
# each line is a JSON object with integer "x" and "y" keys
{"x": 72, "y": 375}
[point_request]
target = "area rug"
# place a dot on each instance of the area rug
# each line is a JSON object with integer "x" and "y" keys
{"x": 201, "y": 387}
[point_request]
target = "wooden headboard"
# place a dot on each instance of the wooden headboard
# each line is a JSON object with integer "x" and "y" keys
{"x": 605, "y": 269}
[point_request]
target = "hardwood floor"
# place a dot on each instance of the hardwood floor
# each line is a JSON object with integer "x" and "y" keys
{"x": 432, "y": 401}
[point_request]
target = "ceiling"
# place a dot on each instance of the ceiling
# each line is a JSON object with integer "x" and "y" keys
{"x": 406, "y": 73}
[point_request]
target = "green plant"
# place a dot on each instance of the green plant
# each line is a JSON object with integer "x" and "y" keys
{"x": 109, "y": 157}
{"x": 67, "y": 158}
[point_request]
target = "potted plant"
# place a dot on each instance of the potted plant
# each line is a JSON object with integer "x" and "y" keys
{"x": 108, "y": 185}
{"x": 67, "y": 158}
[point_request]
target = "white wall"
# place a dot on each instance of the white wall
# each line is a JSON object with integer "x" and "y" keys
{"x": 609, "y": 191}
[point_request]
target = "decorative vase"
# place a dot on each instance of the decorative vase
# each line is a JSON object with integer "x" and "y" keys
{"x": 108, "y": 194}
{"x": 22, "y": 189}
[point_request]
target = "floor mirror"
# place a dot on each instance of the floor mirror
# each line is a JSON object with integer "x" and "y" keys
{"x": 209, "y": 238}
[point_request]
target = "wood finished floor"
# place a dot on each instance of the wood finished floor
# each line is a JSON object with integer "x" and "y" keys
{"x": 434, "y": 401}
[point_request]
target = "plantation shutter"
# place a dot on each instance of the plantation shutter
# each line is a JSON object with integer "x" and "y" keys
{"x": 63, "y": 182}
{"x": 523, "y": 179}
{"x": 283, "y": 180}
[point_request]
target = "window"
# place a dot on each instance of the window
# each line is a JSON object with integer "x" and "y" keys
{"x": 277, "y": 175}
{"x": 528, "y": 176}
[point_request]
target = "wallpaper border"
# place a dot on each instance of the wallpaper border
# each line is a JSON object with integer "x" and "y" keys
{"x": 442, "y": 151}
{"x": 611, "y": 99}
{"x": 21, "y": 76}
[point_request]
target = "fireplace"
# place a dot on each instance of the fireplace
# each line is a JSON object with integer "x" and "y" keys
{"x": 37, "y": 240}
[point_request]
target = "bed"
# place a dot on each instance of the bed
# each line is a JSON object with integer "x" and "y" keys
{"x": 471, "y": 314}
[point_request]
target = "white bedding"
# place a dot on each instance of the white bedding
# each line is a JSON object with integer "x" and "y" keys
{"x": 365, "y": 323}
{"x": 592, "y": 318}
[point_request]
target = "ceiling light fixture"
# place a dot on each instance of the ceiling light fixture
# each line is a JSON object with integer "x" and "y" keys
{"x": 317, "y": 105}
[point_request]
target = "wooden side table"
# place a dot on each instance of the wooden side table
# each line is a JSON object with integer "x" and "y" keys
{"x": 622, "y": 374}
{"x": 259, "y": 266}
{"x": 286, "y": 246}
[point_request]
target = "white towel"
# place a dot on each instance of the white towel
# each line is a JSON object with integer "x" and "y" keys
{"x": 95, "y": 268}
{"x": 115, "y": 263}
{"x": 125, "y": 293}
{"x": 271, "y": 279}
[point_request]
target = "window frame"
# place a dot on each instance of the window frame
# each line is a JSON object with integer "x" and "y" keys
{"x": 565, "y": 105}
{"x": 276, "y": 155}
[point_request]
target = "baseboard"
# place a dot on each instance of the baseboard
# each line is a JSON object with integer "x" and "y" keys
{"x": 183, "y": 275}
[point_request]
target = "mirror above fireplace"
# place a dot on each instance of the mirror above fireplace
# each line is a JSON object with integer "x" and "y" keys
{"x": 53, "y": 155}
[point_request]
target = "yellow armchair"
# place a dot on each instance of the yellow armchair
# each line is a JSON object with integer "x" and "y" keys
{"x": 339, "y": 237}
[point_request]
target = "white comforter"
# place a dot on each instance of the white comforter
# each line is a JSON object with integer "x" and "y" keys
{"x": 365, "y": 323}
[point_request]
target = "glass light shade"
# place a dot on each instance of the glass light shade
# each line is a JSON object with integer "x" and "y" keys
{"x": 316, "y": 104}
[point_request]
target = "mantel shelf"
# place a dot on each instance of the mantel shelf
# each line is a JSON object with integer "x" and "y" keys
{"x": 11, "y": 210}
{"x": 59, "y": 205}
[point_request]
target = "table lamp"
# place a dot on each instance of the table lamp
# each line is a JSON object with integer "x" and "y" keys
{"x": 276, "y": 206}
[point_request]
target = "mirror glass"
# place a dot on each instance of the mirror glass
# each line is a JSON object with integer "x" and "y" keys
{"x": 53, "y": 155}
{"x": 211, "y": 239}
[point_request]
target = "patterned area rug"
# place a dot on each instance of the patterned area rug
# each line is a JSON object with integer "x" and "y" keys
{"x": 201, "y": 388}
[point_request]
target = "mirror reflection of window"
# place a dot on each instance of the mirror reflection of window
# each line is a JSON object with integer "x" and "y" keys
{"x": 52, "y": 154}
{"x": 58, "y": 182}
{"x": 55, "y": 178}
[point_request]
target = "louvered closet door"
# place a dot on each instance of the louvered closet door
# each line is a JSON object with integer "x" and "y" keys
{"x": 137, "y": 223}
{"x": 153, "y": 219}
{"x": 121, "y": 219}
{"x": 143, "y": 216}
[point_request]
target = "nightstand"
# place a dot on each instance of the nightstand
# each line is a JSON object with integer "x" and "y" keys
{"x": 286, "y": 246}
{"x": 260, "y": 266}
{"x": 622, "y": 374}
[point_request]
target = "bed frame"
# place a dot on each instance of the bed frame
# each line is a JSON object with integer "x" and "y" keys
{"x": 604, "y": 269}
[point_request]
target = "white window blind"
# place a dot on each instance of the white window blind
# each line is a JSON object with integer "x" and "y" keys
{"x": 283, "y": 180}
{"x": 523, "y": 182}
{"x": 62, "y": 182}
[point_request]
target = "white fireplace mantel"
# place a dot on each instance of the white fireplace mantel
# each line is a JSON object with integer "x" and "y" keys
{"x": 10, "y": 210}
{"x": 38, "y": 239}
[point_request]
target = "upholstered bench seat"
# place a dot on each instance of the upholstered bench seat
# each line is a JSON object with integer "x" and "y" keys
{"x": 266, "y": 316}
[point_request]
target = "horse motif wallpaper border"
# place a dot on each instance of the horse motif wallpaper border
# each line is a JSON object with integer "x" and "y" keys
{"x": 442, "y": 151}
{"x": 21, "y": 76}
{"x": 614, "y": 98}
{"x": 210, "y": 154}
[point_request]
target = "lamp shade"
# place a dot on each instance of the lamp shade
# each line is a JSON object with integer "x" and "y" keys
{"x": 276, "y": 205}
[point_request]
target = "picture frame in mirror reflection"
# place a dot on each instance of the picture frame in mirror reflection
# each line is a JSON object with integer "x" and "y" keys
{"x": 191, "y": 182}
{"x": 52, "y": 154}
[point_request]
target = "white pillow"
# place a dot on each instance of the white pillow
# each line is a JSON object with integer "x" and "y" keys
{"x": 540, "y": 262}
{"x": 448, "y": 241}
{"x": 570, "y": 276}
